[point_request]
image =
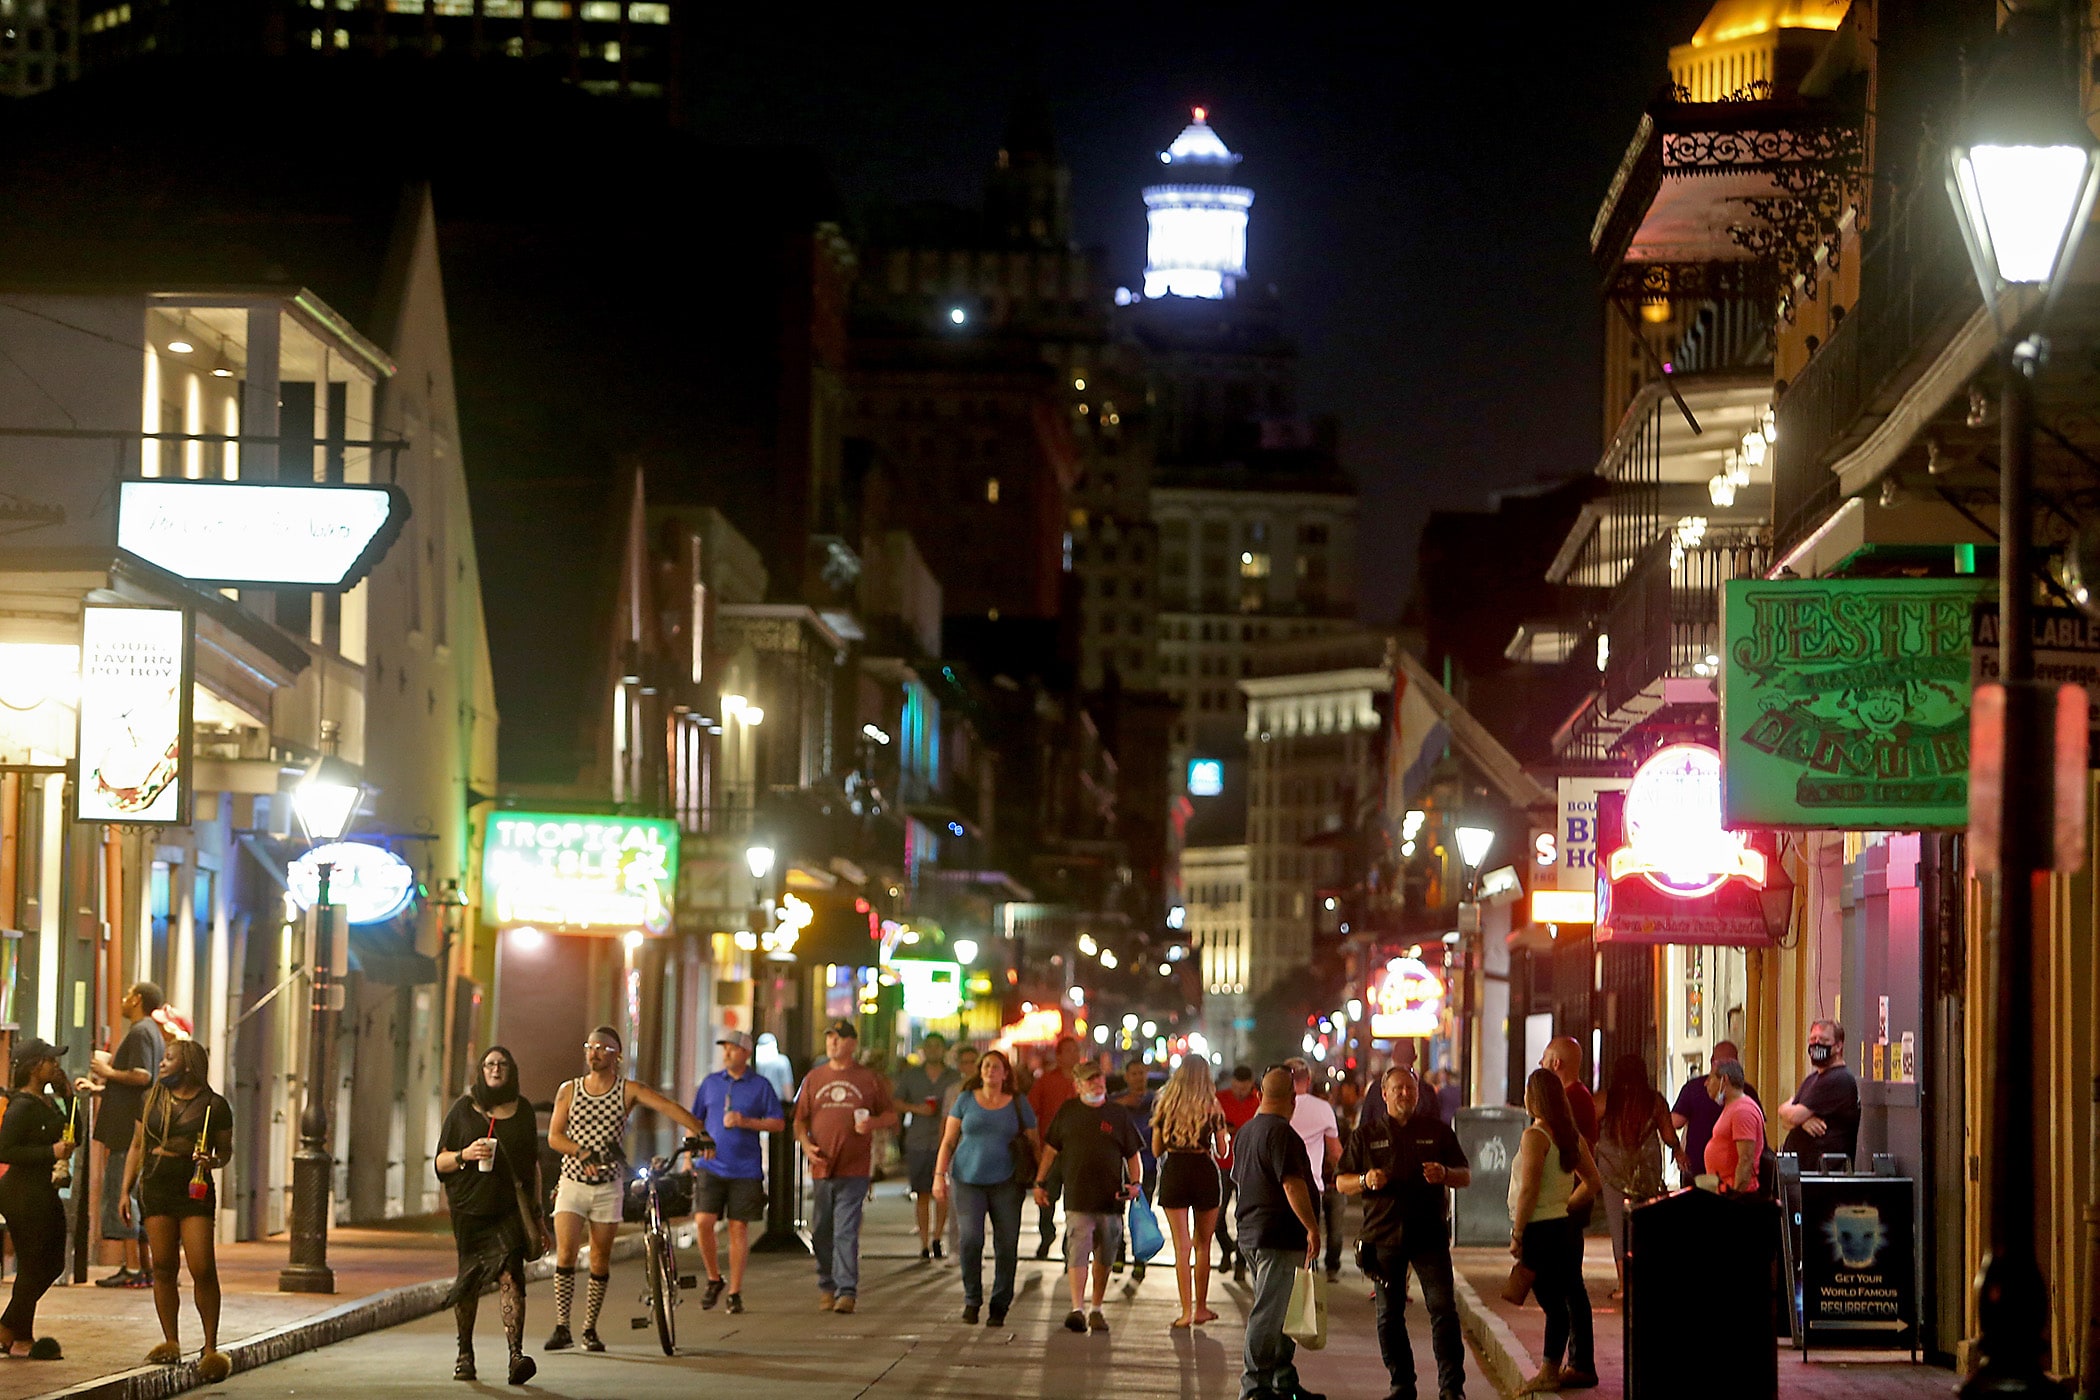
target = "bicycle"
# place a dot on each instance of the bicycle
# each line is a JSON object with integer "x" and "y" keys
{"x": 663, "y": 1281}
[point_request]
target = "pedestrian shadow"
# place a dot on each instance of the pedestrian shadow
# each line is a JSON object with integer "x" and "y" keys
{"x": 1207, "y": 1368}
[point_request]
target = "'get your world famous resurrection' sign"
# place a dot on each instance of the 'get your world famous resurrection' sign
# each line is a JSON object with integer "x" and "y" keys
{"x": 1845, "y": 702}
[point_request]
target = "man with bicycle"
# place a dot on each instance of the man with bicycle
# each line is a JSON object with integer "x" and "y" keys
{"x": 737, "y": 1104}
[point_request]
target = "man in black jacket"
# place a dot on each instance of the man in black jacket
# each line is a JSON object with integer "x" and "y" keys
{"x": 1403, "y": 1165}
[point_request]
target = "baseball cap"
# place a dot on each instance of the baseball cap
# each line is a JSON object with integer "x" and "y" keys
{"x": 35, "y": 1048}
{"x": 845, "y": 1028}
{"x": 735, "y": 1038}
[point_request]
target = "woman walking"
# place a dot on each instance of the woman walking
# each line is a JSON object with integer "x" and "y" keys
{"x": 1629, "y": 1149}
{"x": 1554, "y": 1171}
{"x": 489, "y": 1159}
{"x": 33, "y": 1144}
{"x": 1187, "y": 1126}
{"x": 588, "y": 1127}
{"x": 977, "y": 1170}
{"x": 185, "y": 1133}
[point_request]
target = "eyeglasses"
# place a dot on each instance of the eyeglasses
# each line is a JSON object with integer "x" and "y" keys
{"x": 593, "y": 1048}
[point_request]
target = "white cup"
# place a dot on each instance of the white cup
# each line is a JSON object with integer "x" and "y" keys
{"x": 488, "y": 1163}
{"x": 860, "y": 1120}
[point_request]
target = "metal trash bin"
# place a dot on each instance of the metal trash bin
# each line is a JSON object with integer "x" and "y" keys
{"x": 1699, "y": 1267}
{"x": 1490, "y": 1136}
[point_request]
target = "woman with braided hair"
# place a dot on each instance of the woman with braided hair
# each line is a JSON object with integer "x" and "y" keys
{"x": 185, "y": 1133}
{"x": 488, "y": 1157}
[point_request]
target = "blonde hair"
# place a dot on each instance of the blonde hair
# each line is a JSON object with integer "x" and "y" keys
{"x": 1187, "y": 1105}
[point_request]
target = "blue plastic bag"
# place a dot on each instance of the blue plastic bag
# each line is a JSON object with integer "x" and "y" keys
{"x": 1146, "y": 1238}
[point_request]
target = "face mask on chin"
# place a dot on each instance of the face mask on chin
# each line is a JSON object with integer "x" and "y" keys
{"x": 1094, "y": 1098}
{"x": 1821, "y": 1055}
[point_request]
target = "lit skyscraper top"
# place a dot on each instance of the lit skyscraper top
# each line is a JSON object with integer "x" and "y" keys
{"x": 1197, "y": 244}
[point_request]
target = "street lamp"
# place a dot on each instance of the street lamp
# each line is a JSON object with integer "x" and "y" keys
{"x": 326, "y": 802}
{"x": 1474, "y": 843}
{"x": 2021, "y": 175}
{"x": 759, "y": 861}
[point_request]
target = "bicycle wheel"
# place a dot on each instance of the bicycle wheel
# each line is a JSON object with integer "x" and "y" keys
{"x": 663, "y": 1292}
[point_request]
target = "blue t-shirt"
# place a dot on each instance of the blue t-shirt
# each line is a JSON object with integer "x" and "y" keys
{"x": 739, "y": 1152}
{"x": 984, "y": 1152}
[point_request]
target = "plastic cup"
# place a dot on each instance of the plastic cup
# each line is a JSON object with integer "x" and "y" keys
{"x": 488, "y": 1163}
{"x": 860, "y": 1119}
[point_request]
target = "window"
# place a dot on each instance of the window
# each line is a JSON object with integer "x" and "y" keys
{"x": 1312, "y": 534}
{"x": 1253, "y": 564}
{"x": 1136, "y": 623}
{"x": 601, "y": 9}
{"x": 649, "y": 14}
{"x": 1108, "y": 588}
{"x": 1175, "y": 531}
{"x": 1214, "y": 532}
{"x": 611, "y": 51}
{"x": 991, "y": 490}
{"x": 550, "y": 9}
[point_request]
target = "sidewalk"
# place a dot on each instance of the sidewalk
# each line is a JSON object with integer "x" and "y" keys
{"x": 1508, "y": 1340}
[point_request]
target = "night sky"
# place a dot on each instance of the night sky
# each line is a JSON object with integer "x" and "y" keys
{"x": 1425, "y": 182}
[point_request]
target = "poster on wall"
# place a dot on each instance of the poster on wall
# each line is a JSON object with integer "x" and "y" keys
{"x": 1858, "y": 1263}
{"x": 1845, "y": 702}
{"x": 134, "y": 738}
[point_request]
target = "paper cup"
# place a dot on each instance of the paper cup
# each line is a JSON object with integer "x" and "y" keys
{"x": 488, "y": 1163}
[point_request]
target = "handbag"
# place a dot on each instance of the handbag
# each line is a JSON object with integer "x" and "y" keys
{"x": 535, "y": 1232}
{"x": 1305, "y": 1319}
{"x": 1146, "y": 1238}
{"x": 1518, "y": 1286}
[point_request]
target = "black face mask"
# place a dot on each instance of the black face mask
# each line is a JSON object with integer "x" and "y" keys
{"x": 1821, "y": 1055}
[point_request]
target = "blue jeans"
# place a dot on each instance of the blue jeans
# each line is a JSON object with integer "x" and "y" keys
{"x": 1432, "y": 1264}
{"x": 834, "y": 1232}
{"x": 1003, "y": 1203}
{"x": 1266, "y": 1363}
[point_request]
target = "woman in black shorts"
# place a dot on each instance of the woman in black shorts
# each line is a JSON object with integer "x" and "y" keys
{"x": 185, "y": 1133}
{"x": 1186, "y": 1124}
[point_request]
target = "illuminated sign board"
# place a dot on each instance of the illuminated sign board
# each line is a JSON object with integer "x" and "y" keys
{"x": 134, "y": 715}
{"x": 1845, "y": 702}
{"x": 1406, "y": 1000}
{"x": 563, "y": 870}
{"x": 1575, "y": 852}
{"x": 370, "y": 884}
{"x": 1671, "y": 827}
{"x": 1206, "y": 777}
{"x": 1563, "y": 906}
{"x": 932, "y": 990}
{"x": 259, "y": 533}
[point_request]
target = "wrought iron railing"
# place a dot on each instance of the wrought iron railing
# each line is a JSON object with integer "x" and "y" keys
{"x": 1915, "y": 290}
{"x": 1665, "y": 617}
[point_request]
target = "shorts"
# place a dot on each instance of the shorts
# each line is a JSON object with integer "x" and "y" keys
{"x": 1188, "y": 1180}
{"x": 918, "y": 1166}
{"x": 599, "y": 1204}
{"x": 167, "y": 1193}
{"x": 1087, "y": 1233}
{"x": 730, "y": 1197}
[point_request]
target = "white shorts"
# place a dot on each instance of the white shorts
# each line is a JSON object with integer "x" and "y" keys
{"x": 598, "y": 1204}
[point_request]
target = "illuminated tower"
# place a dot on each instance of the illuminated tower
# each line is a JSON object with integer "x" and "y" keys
{"x": 1197, "y": 245}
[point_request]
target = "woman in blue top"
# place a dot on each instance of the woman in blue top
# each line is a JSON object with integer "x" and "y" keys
{"x": 976, "y": 1170}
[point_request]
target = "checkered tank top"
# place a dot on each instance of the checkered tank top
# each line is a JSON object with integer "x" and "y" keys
{"x": 597, "y": 1123}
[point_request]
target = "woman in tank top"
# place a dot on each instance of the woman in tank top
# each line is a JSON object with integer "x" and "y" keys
{"x": 1554, "y": 1171}
{"x": 589, "y": 1124}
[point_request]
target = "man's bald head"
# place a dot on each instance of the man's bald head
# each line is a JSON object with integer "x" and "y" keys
{"x": 1278, "y": 1093}
{"x": 1564, "y": 1057}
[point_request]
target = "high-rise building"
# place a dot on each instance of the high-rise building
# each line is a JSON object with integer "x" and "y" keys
{"x": 1196, "y": 225}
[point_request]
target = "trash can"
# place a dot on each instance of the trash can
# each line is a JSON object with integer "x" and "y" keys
{"x": 1490, "y": 1136}
{"x": 1700, "y": 1270}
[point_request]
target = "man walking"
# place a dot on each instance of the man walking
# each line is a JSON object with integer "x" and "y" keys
{"x": 121, "y": 1081}
{"x": 920, "y": 1091}
{"x": 1314, "y": 1119}
{"x": 1823, "y": 1115}
{"x": 736, "y": 1103}
{"x": 1239, "y": 1101}
{"x": 1279, "y": 1232}
{"x": 841, "y": 1105}
{"x": 1403, "y": 1166}
{"x": 1096, "y": 1145}
{"x": 1052, "y": 1088}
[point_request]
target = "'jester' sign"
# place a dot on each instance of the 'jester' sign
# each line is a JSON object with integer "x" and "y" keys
{"x": 1845, "y": 702}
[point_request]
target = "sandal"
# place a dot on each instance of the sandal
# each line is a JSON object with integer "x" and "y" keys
{"x": 1546, "y": 1382}
{"x": 46, "y": 1349}
{"x": 213, "y": 1367}
{"x": 166, "y": 1354}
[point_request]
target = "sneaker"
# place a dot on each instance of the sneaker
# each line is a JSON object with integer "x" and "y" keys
{"x": 120, "y": 1279}
{"x": 1137, "y": 1273}
{"x": 827, "y": 1302}
{"x": 139, "y": 1279}
{"x": 712, "y": 1294}
{"x": 522, "y": 1369}
{"x": 937, "y": 1252}
{"x": 997, "y": 1318}
{"x": 590, "y": 1340}
{"x": 463, "y": 1368}
{"x": 559, "y": 1339}
{"x": 736, "y": 1302}
{"x": 1095, "y": 1322}
{"x": 1075, "y": 1321}
{"x": 1334, "y": 1275}
{"x": 844, "y": 1305}
{"x": 970, "y": 1313}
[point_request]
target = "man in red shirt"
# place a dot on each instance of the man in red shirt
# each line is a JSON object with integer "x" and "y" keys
{"x": 1239, "y": 1101}
{"x": 1564, "y": 1057}
{"x": 841, "y": 1105}
{"x": 1052, "y": 1088}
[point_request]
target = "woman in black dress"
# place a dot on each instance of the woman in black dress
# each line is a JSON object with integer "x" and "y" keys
{"x": 185, "y": 1133}
{"x": 32, "y": 1144}
{"x": 489, "y": 1159}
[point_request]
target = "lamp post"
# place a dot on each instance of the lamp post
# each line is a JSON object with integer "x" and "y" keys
{"x": 326, "y": 802}
{"x": 1474, "y": 842}
{"x": 2021, "y": 175}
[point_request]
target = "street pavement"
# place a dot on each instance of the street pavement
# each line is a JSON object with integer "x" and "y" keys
{"x": 906, "y": 1340}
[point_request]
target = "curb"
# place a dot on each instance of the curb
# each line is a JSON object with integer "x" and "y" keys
{"x": 374, "y": 1313}
{"x": 1501, "y": 1355}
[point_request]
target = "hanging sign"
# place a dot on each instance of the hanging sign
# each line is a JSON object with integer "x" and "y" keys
{"x": 1639, "y": 909}
{"x": 1671, "y": 833}
{"x": 932, "y": 990}
{"x": 1575, "y": 850}
{"x": 1405, "y": 1000}
{"x": 270, "y": 534}
{"x": 2066, "y": 651}
{"x": 369, "y": 883}
{"x": 1845, "y": 702}
{"x": 562, "y": 870}
{"x": 135, "y": 668}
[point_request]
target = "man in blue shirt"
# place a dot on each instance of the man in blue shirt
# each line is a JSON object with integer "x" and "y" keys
{"x": 737, "y": 1104}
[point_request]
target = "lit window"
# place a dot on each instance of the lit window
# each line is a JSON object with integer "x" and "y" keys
{"x": 991, "y": 489}
{"x": 452, "y": 7}
{"x": 550, "y": 9}
{"x": 514, "y": 46}
{"x": 1254, "y": 565}
{"x": 342, "y": 38}
{"x": 313, "y": 39}
{"x": 601, "y": 9}
{"x": 612, "y": 50}
{"x": 503, "y": 9}
{"x": 649, "y": 14}
{"x": 405, "y": 7}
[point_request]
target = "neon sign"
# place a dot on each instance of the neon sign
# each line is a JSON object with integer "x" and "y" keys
{"x": 1406, "y": 1000}
{"x": 369, "y": 883}
{"x": 556, "y": 870}
{"x": 1673, "y": 832}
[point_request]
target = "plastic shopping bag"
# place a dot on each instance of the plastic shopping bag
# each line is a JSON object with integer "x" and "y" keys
{"x": 1146, "y": 1238}
{"x": 1305, "y": 1320}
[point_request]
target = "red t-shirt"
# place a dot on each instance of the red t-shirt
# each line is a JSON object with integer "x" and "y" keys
{"x": 1052, "y": 1088}
{"x": 1740, "y": 1128}
{"x": 826, "y": 1107}
{"x": 1583, "y": 1105}
{"x": 1239, "y": 1112}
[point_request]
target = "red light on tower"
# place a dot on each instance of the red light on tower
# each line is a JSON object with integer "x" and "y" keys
{"x": 1202, "y": 113}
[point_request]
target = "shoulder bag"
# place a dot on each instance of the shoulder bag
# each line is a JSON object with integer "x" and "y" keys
{"x": 1023, "y": 1150}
